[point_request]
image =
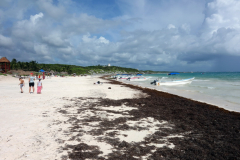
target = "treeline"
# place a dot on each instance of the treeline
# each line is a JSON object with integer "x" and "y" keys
{"x": 70, "y": 69}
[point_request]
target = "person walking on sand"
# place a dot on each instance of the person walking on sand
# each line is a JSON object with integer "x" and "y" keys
{"x": 21, "y": 83}
{"x": 31, "y": 82}
{"x": 39, "y": 86}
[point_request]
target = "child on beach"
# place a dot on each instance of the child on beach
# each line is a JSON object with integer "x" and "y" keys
{"x": 21, "y": 83}
{"x": 39, "y": 86}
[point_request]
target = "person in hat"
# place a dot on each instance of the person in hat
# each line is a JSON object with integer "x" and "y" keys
{"x": 31, "y": 82}
{"x": 39, "y": 86}
{"x": 21, "y": 83}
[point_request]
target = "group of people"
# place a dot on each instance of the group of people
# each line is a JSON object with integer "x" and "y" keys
{"x": 31, "y": 84}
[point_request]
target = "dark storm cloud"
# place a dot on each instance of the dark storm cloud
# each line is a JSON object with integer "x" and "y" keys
{"x": 227, "y": 63}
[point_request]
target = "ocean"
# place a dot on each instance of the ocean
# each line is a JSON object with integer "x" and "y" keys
{"x": 217, "y": 88}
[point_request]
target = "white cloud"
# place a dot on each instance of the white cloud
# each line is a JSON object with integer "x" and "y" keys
{"x": 170, "y": 26}
{"x": 67, "y": 50}
{"x": 221, "y": 30}
{"x": 55, "y": 39}
{"x": 36, "y": 17}
{"x": 86, "y": 38}
{"x": 223, "y": 14}
{"x": 103, "y": 40}
{"x": 5, "y": 41}
{"x": 167, "y": 34}
{"x": 41, "y": 49}
{"x": 52, "y": 10}
{"x": 186, "y": 28}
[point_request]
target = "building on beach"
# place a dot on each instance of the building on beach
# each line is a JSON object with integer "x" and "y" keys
{"x": 4, "y": 65}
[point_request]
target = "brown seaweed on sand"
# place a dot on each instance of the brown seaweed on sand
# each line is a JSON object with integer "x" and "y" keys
{"x": 187, "y": 129}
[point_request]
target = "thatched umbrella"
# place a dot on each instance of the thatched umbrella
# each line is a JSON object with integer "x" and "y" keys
{"x": 52, "y": 72}
{"x": 5, "y": 64}
{"x": 63, "y": 73}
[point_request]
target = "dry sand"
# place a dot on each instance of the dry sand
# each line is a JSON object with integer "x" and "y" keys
{"x": 74, "y": 119}
{"x": 27, "y": 129}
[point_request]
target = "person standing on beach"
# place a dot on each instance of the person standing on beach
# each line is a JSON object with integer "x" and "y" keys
{"x": 39, "y": 86}
{"x": 31, "y": 82}
{"x": 21, "y": 83}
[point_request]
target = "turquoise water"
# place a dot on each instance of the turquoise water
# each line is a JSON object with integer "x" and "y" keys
{"x": 222, "y": 88}
{"x": 225, "y": 76}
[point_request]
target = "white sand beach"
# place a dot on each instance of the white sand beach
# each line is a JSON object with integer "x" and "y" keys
{"x": 73, "y": 117}
{"x": 27, "y": 130}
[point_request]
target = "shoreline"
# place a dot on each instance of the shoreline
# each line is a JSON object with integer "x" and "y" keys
{"x": 138, "y": 87}
{"x": 89, "y": 121}
{"x": 163, "y": 126}
{"x": 211, "y": 100}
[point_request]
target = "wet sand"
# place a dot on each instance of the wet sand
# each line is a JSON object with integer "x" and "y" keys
{"x": 124, "y": 122}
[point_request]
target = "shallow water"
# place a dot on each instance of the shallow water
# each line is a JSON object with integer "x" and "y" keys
{"x": 218, "y": 88}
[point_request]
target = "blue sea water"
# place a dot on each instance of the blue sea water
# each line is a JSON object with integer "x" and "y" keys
{"x": 218, "y": 88}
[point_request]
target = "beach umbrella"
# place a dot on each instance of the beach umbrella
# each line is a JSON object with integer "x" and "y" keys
{"x": 173, "y": 73}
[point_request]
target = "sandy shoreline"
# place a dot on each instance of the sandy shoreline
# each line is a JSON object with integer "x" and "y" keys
{"x": 75, "y": 119}
{"x": 216, "y": 101}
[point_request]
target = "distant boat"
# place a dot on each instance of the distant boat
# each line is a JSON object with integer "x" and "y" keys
{"x": 138, "y": 79}
{"x": 175, "y": 82}
{"x": 123, "y": 77}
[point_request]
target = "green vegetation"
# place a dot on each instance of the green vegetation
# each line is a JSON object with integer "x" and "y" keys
{"x": 149, "y": 72}
{"x": 3, "y": 74}
{"x": 70, "y": 69}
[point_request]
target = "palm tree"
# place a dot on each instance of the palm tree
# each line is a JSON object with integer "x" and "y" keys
{"x": 33, "y": 65}
{"x": 14, "y": 63}
{"x": 20, "y": 65}
{"x": 26, "y": 66}
{"x": 63, "y": 69}
{"x": 69, "y": 69}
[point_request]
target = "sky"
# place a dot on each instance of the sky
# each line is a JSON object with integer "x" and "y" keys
{"x": 159, "y": 35}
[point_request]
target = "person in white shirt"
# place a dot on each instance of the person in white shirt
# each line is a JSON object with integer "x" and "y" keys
{"x": 31, "y": 82}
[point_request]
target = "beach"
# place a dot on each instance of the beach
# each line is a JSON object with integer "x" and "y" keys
{"x": 74, "y": 118}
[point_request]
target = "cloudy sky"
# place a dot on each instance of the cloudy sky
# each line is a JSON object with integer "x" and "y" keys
{"x": 172, "y": 35}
